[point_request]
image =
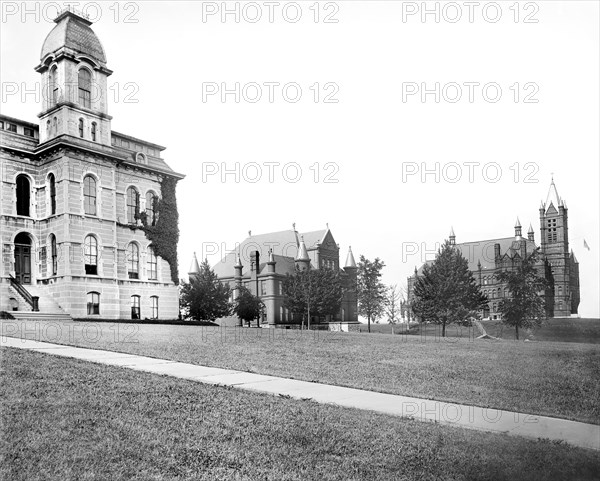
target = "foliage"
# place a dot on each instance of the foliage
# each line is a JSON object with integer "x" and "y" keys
{"x": 164, "y": 234}
{"x": 392, "y": 304}
{"x": 372, "y": 296}
{"x": 313, "y": 292}
{"x": 446, "y": 292}
{"x": 525, "y": 308}
{"x": 247, "y": 306}
{"x": 205, "y": 298}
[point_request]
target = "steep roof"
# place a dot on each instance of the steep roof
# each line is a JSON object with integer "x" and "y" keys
{"x": 285, "y": 248}
{"x": 483, "y": 251}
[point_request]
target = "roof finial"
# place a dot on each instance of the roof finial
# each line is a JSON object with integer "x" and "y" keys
{"x": 294, "y": 226}
{"x": 249, "y": 233}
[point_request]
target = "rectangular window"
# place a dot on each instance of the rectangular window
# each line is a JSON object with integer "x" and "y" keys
{"x": 135, "y": 307}
{"x": 263, "y": 288}
{"x": 11, "y": 127}
{"x": 154, "y": 307}
{"x": 93, "y": 303}
{"x": 85, "y": 98}
{"x": 28, "y": 132}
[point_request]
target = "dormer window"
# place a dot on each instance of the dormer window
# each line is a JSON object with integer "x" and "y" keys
{"x": 85, "y": 88}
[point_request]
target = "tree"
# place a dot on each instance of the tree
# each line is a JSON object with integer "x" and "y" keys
{"x": 446, "y": 292}
{"x": 313, "y": 292}
{"x": 525, "y": 308}
{"x": 247, "y": 306}
{"x": 392, "y": 304}
{"x": 205, "y": 297}
{"x": 371, "y": 291}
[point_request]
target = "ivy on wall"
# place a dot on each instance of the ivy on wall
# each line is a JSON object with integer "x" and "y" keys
{"x": 164, "y": 234}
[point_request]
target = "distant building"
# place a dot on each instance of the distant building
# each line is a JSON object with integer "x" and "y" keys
{"x": 557, "y": 263}
{"x": 71, "y": 191}
{"x": 279, "y": 254}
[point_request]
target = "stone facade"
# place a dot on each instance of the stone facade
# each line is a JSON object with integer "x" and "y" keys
{"x": 70, "y": 191}
{"x": 557, "y": 263}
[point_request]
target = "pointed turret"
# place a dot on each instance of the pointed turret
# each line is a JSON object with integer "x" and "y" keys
{"x": 350, "y": 262}
{"x": 452, "y": 236}
{"x": 531, "y": 233}
{"x": 518, "y": 229}
{"x": 302, "y": 260}
{"x": 271, "y": 263}
{"x": 194, "y": 267}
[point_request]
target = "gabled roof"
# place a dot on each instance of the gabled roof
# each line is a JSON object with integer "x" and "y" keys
{"x": 483, "y": 251}
{"x": 283, "y": 243}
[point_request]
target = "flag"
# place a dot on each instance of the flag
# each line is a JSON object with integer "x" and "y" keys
{"x": 585, "y": 244}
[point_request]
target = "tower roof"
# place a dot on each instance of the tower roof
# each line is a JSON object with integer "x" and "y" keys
{"x": 518, "y": 223}
{"x": 350, "y": 262}
{"x": 553, "y": 197}
{"x": 195, "y": 267}
{"x": 73, "y": 32}
{"x": 530, "y": 231}
{"x": 302, "y": 252}
{"x": 452, "y": 232}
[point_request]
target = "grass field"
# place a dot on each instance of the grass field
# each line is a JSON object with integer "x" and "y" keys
{"x": 554, "y": 379}
{"x": 63, "y": 419}
{"x": 554, "y": 330}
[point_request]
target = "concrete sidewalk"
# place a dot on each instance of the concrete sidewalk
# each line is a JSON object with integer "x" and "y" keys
{"x": 470, "y": 417}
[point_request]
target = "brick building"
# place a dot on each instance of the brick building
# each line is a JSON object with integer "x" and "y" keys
{"x": 557, "y": 262}
{"x": 72, "y": 191}
{"x": 279, "y": 254}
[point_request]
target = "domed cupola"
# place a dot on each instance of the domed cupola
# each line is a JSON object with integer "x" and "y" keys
{"x": 74, "y": 79}
{"x": 73, "y": 35}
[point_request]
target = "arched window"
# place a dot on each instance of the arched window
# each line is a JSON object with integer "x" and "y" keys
{"x": 154, "y": 307}
{"x": 94, "y": 125}
{"x": 55, "y": 125}
{"x": 52, "y": 189}
{"x": 151, "y": 204}
{"x": 48, "y": 131}
{"x": 23, "y": 195}
{"x": 89, "y": 195}
{"x": 133, "y": 261}
{"x": 152, "y": 264}
{"x": 90, "y": 250}
{"x": 81, "y": 128}
{"x": 54, "y": 254}
{"x": 53, "y": 86}
{"x": 135, "y": 307}
{"x": 85, "y": 88}
{"x": 133, "y": 205}
{"x": 93, "y": 303}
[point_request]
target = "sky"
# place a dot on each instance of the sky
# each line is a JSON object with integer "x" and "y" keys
{"x": 392, "y": 122}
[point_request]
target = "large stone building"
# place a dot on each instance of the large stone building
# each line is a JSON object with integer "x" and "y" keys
{"x": 280, "y": 254}
{"x": 72, "y": 191}
{"x": 557, "y": 262}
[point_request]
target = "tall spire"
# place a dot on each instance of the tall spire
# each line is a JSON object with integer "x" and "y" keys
{"x": 553, "y": 196}
{"x": 452, "y": 236}
{"x": 350, "y": 262}
{"x": 518, "y": 228}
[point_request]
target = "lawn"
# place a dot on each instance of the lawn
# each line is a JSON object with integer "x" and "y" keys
{"x": 64, "y": 419}
{"x": 554, "y": 379}
{"x": 553, "y": 330}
